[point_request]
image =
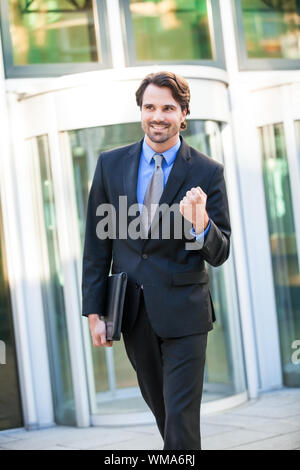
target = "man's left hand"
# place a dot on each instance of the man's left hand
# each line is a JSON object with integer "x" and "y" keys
{"x": 193, "y": 208}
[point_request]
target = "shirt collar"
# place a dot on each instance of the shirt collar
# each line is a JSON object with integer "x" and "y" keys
{"x": 169, "y": 154}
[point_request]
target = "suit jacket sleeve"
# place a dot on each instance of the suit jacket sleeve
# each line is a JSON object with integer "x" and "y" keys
{"x": 97, "y": 252}
{"x": 216, "y": 246}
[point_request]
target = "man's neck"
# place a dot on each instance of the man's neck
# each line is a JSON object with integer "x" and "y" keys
{"x": 164, "y": 146}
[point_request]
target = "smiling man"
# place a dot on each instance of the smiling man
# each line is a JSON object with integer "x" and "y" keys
{"x": 162, "y": 116}
{"x": 168, "y": 310}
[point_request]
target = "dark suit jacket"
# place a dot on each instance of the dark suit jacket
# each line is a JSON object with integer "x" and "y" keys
{"x": 175, "y": 282}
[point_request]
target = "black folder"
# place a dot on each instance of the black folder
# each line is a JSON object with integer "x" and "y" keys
{"x": 116, "y": 289}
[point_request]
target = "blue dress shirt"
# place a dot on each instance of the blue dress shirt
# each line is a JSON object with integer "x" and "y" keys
{"x": 146, "y": 169}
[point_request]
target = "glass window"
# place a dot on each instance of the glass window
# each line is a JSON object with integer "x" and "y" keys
{"x": 10, "y": 402}
{"x": 172, "y": 30}
{"x": 271, "y": 28}
{"x": 282, "y": 244}
{"x": 38, "y": 34}
{"x": 52, "y": 31}
{"x": 113, "y": 374}
{"x": 53, "y": 286}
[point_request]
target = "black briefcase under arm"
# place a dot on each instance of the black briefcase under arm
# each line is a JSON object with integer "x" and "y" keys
{"x": 116, "y": 289}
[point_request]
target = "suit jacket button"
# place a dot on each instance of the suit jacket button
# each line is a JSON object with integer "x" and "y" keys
{"x": 144, "y": 256}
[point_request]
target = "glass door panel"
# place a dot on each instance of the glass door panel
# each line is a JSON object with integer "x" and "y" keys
{"x": 224, "y": 371}
{"x": 10, "y": 401}
{"x": 283, "y": 245}
{"x": 114, "y": 377}
{"x": 53, "y": 286}
{"x": 113, "y": 374}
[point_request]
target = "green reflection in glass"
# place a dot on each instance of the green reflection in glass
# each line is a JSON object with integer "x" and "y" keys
{"x": 221, "y": 375}
{"x": 272, "y": 31}
{"x": 10, "y": 403}
{"x": 171, "y": 30}
{"x": 52, "y": 31}
{"x": 221, "y": 372}
{"x": 283, "y": 245}
{"x": 86, "y": 145}
{"x": 53, "y": 299}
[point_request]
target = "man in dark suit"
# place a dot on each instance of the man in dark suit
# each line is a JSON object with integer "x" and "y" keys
{"x": 168, "y": 309}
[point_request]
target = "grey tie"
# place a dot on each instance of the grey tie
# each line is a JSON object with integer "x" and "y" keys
{"x": 153, "y": 193}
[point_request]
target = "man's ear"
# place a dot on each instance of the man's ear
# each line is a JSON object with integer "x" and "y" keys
{"x": 184, "y": 112}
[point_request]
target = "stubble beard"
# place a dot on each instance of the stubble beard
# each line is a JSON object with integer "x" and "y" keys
{"x": 157, "y": 137}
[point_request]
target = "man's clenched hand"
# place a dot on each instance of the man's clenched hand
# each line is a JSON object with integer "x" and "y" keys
{"x": 193, "y": 208}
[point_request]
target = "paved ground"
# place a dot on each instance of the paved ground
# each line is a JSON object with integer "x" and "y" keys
{"x": 272, "y": 422}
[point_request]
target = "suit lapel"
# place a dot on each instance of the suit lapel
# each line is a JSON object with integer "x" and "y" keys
{"x": 178, "y": 173}
{"x": 130, "y": 172}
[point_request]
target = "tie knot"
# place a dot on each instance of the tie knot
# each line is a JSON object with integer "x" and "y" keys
{"x": 158, "y": 160}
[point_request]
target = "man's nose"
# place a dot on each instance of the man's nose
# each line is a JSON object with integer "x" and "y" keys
{"x": 158, "y": 115}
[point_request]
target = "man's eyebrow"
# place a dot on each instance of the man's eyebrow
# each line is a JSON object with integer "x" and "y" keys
{"x": 151, "y": 104}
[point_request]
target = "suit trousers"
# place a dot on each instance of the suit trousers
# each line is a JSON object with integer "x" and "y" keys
{"x": 170, "y": 375}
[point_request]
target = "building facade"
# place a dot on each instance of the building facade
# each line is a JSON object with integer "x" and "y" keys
{"x": 69, "y": 71}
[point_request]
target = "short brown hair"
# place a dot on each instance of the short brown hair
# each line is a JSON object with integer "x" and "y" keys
{"x": 178, "y": 85}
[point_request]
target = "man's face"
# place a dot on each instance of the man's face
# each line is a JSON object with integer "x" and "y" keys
{"x": 161, "y": 115}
